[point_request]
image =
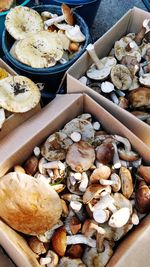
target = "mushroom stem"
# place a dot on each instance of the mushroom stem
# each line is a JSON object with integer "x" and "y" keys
{"x": 114, "y": 98}
{"x": 81, "y": 239}
{"x": 116, "y": 160}
{"x": 84, "y": 182}
{"x": 51, "y": 21}
{"x": 91, "y": 50}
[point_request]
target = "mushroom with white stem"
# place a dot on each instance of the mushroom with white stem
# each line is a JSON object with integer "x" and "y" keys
{"x": 36, "y": 245}
{"x": 67, "y": 16}
{"x": 70, "y": 197}
{"x": 93, "y": 259}
{"x": 140, "y": 35}
{"x": 57, "y": 164}
{"x": 72, "y": 223}
{"x": 102, "y": 172}
{"x": 47, "y": 15}
{"x": 108, "y": 88}
{"x": 105, "y": 202}
{"x": 128, "y": 155}
{"x": 117, "y": 182}
{"x": 102, "y": 67}
{"x": 75, "y": 35}
{"x": 140, "y": 97}
{"x": 116, "y": 160}
{"x": 90, "y": 228}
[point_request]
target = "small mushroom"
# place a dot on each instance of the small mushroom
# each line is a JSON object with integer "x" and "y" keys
{"x": 121, "y": 77}
{"x": 119, "y": 218}
{"x": 80, "y": 156}
{"x": 127, "y": 155}
{"x": 83, "y": 80}
{"x": 105, "y": 202}
{"x": 36, "y": 245}
{"x": 123, "y": 102}
{"x": 126, "y": 182}
{"x": 140, "y": 35}
{"x": 144, "y": 172}
{"x": 75, "y": 35}
{"x": 31, "y": 165}
{"x": 143, "y": 198}
{"x": 96, "y": 126}
{"x": 102, "y": 172}
{"x": 93, "y": 259}
{"x": 67, "y": 16}
{"x": 105, "y": 153}
{"x": 36, "y": 151}
{"x": 93, "y": 191}
{"x": 75, "y": 136}
{"x": 102, "y": 67}
{"x": 59, "y": 241}
{"x": 84, "y": 182}
{"x": 116, "y": 160}
{"x": 108, "y": 88}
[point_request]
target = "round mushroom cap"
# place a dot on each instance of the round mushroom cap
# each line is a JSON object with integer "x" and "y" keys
{"x": 21, "y": 21}
{"x": 41, "y": 50}
{"x": 105, "y": 153}
{"x": 80, "y": 156}
{"x": 28, "y": 205}
{"x": 67, "y": 12}
{"x": 18, "y": 94}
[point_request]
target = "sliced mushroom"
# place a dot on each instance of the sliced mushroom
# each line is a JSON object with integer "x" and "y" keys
{"x": 31, "y": 165}
{"x": 82, "y": 126}
{"x": 80, "y": 156}
{"x": 140, "y": 97}
{"x": 126, "y": 182}
{"x": 121, "y": 77}
{"x": 55, "y": 146}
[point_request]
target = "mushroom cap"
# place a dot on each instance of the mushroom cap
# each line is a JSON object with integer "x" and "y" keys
{"x": 144, "y": 172}
{"x": 80, "y": 156}
{"x": 5, "y": 5}
{"x": 21, "y": 21}
{"x": 59, "y": 241}
{"x": 18, "y": 94}
{"x": 103, "y": 172}
{"x": 139, "y": 97}
{"x": 82, "y": 126}
{"x": 55, "y": 146}
{"x": 93, "y": 191}
{"x": 143, "y": 198}
{"x": 105, "y": 153}
{"x": 74, "y": 34}
{"x": 121, "y": 77}
{"x": 107, "y": 87}
{"x": 41, "y": 50}
{"x": 67, "y": 12}
{"x": 33, "y": 201}
{"x": 119, "y": 218}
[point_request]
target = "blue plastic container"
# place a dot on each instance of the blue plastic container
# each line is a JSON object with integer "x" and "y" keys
{"x": 87, "y": 11}
{"x": 3, "y": 15}
{"x": 51, "y": 76}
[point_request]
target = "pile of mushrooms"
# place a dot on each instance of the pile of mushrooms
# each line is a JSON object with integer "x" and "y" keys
{"x": 46, "y": 39}
{"x": 124, "y": 75}
{"x": 103, "y": 186}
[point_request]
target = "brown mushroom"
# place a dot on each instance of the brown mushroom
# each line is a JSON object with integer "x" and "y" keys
{"x": 75, "y": 251}
{"x": 143, "y": 198}
{"x": 105, "y": 153}
{"x": 59, "y": 241}
{"x": 80, "y": 156}
{"x": 31, "y": 165}
{"x": 126, "y": 182}
{"x": 144, "y": 172}
{"x": 36, "y": 245}
{"x": 93, "y": 191}
{"x": 139, "y": 97}
{"x": 102, "y": 172}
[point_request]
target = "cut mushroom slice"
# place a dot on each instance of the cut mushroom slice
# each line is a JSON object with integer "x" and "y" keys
{"x": 41, "y": 50}
{"x": 21, "y": 21}
{"x": 93, "y": 259}
{"x": 119, "y": 218}
{"x": 117, "y": 182}
{"x": 75, "y": 136}
{"x": 75, "y": 35}
{"x": 55, "y": 146}
{"x": 84, "y": 182}
{"x": 69, "y": 262}
{"x": 121, "y": 77}
{"x": 145, "y": 79}
{"x": 67, "y": 16}
{"x": 126, "y": 46}
{"x": 80, "y": 156}
{"x": 108, "y": 88}
{"x": 81, "y": 126}
{"x": 140, "y": 97}
{"x": 2, "y": 117}
{"x": 18, "y": 94}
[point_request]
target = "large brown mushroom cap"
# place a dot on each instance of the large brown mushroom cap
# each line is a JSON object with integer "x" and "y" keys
{"x": 28, "y": 205}
{"x": 80, "y": 156}
{"x": 140, "y": 97}
{"x": 105, "y": 153}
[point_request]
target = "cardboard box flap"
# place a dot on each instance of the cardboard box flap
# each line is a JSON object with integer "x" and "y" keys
{"x": 136, "y": 244}
{"x": 138, "y": 15}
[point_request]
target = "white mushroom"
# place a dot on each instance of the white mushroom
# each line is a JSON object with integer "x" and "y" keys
{"x": 75, "y": 136}
{"x": 119, "y": 218}
{"x": 108, "y": 88}
{"x": 76, "y": 205}
{"x": 106, "y": 202}
{"x": 100, "y": 215}
{"x": 74, "y": 34}
{"x": 57, "y": 164}
{"x": 37, "y": 151}
{"x": 96, "y": 125}
{"x": 84, "y": 182}
{"x": 81, "y": 239}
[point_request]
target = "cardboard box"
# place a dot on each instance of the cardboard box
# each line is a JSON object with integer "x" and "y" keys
{"x": 15, "y": 120}
{"x": 130, "y": 22}
{"x": 33, "y": 132}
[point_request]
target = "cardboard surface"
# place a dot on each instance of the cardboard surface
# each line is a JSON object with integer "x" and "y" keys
{"x": 33, "y": 132}
{"x": 130, "y": 22}
{"x": 15, "y": 120}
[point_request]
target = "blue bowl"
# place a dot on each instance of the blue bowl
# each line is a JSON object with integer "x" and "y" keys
{"x": 53, "y": 75}
{"x": 3, "y": 15}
